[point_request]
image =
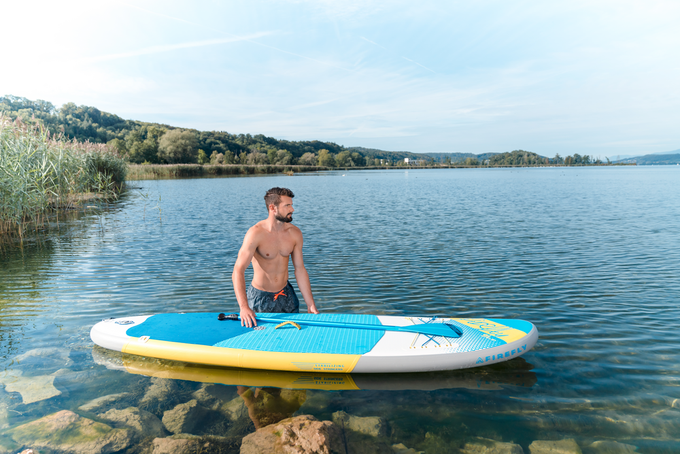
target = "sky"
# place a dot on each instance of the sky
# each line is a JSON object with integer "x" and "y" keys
{"x": 594, "y": 77}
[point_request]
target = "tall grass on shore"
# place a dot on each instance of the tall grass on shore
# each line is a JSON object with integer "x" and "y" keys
{"x": 41, "y": 173}
{"x": 167, "y": 171}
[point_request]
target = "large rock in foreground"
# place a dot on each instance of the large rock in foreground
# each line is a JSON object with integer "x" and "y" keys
{"x": 298, "y": 435}
{"x": 65, "y": 431}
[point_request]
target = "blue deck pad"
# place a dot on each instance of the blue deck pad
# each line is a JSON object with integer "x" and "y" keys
{"x": 205, "y": 329}
{"x": 310, "y": 339}
{"x": 201, "y": 328}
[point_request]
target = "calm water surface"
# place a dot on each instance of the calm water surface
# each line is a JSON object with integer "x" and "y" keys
{"x": 590, "y": 255}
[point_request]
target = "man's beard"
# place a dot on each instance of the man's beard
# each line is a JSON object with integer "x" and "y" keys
{"x": 278, "y": 217}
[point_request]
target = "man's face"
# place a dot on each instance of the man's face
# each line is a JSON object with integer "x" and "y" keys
{"x": 284, "y": 211}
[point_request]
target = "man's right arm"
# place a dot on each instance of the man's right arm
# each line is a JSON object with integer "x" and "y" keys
{"x": 238, "y": 277}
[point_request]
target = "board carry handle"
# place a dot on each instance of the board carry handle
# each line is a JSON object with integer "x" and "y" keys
{"x": 288, "y": 323}
{"x": 428, "y": 329}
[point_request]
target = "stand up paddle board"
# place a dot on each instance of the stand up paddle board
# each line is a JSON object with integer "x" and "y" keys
{"x": 343, "y": 343}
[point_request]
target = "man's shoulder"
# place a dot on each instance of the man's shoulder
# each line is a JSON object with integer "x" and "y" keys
{"x": 257, "y": 229}
{"x": 293, "y": 230}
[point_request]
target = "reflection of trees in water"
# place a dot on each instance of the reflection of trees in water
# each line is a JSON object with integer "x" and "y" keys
{"x": 27, "y": 265}
{"x": 23, "y": 276}
{"x": 64, "y": 224}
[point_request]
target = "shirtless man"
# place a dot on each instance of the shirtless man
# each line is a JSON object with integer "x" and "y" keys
{"x": 268, "y": 246}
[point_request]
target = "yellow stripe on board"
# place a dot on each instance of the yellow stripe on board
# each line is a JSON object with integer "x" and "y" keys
{"x": 234, "y": 357}
{"x": 493, "y": 329}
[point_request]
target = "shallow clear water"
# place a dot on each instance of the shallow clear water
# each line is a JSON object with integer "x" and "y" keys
{"x": 590, "y": 255}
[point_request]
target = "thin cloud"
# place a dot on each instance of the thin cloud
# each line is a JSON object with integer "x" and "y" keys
{"x": 243, "y": 38}
{"x": 374, "y": 43}
{"x": 314, "y": 104}
{"x": 405, "y": 58}
{"x": 346, "y": 9}
{"x": 415, "y": 62}
{"x": 172, "y": 47}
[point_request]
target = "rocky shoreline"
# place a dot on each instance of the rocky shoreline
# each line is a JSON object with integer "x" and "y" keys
{"x": 132, "y": 430}
{"x": 165, "y": 416}
{"x": 191, "y": 427}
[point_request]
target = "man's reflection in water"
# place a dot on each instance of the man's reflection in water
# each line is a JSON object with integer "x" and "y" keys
{"x": 271, "y": 405}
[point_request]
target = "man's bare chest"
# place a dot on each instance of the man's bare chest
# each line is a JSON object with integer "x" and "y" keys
{"x": 276, "y": 248}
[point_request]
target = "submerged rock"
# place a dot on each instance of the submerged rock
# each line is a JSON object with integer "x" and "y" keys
{"x": 300, "y": 435}
{"x": 145, "y": 423}
{"x": 374, "y": 426}
{"x": 486, "y": 446}
{"x": 67, "y": 432}
{"x": 317, "y": 401}
{"x": 4, "y": 416}
{"x": 192, "y": 444}
{"x": 160, "y": 396}
{"x": 358, "y": 443}
{"x": 175, "y": 446}
{"x": 663, "y": 424}
{"x": 213, "y": 396}
{"x": 185, "y": 418}
{"x": 103, "y": 401}
{"x": 7, "y": 445}
{"x": 221, "y": 399}
{"x": 567, "y": 446}
{"x": 234, "y": 409}
{"x": 32, "y": 389}
{"x": 609, "y": 447}
{"x": 50, "y": 358}
{"x": 402, "y": 449}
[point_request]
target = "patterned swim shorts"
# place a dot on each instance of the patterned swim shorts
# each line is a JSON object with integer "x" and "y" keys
{"x": 285, "y": 301}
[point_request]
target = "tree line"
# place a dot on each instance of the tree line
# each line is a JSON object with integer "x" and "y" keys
{"x": 527, "y": 158}
{"x": 154, "y": 143}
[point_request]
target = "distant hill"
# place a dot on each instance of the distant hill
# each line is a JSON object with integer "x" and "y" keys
{"x": 670, "y": 152}
{"x": 668, "y": 158}
{"x": 439, "y": 157}
{"x": 518, "y": 158}
{"x": 457, "y": 157}
{"x": 484, "y": 156}
{"x": 374, "y": 153}
{"x": 400, "y": 155}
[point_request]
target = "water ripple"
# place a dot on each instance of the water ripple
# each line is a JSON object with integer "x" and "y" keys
{"x": 591, "y": 256}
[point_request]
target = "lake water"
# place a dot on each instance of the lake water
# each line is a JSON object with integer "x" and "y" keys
{"x": 591, "y": 256}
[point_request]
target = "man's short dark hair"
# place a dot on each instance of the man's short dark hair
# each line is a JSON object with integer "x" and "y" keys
{"x": 273, "y": 196}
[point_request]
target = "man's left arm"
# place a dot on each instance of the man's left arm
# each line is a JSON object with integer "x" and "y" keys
{"x": 301, "y": 275}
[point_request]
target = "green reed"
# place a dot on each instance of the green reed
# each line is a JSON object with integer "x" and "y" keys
{"x": 41, "y": 173}
{"x": 168, "y": 171}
